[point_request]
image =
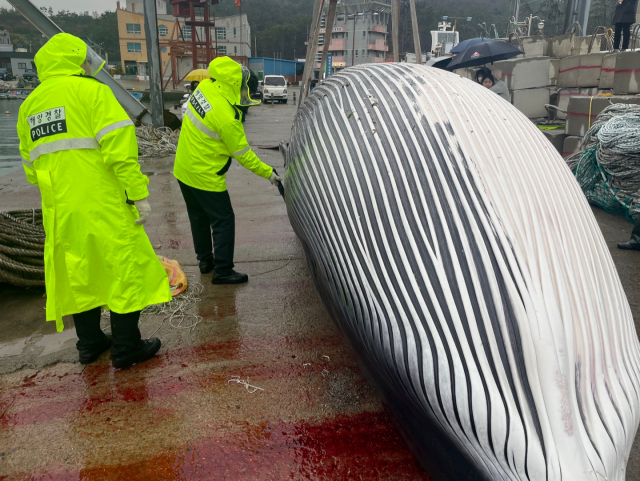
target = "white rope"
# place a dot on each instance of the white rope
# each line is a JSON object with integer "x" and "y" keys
{"x": 156, "y": 142}
{"x": 177, "y": 310}
{"x": 615, "y": 135}
{"x": 250, "y": 388}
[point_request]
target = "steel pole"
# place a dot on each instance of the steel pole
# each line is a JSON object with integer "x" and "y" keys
{"x": 395, "y": 29}
{"x": 48, "y": 28}
{"x": 153, "y": 59}
{"x": 416, "y": 32}
{"x": 569, "y": 14}
{"x": 328, "y": 31}
{"x": 583, "y": 14}
{"x": 312, "y": 48}
{"x": 353, "y": 43}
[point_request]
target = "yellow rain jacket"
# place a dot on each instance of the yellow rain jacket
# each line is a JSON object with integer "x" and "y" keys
{"x": 212, "y": 132}
{"x": 79, "y": 147}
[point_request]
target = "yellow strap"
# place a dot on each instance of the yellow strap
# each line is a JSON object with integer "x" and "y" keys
{"x": 590, "y": 102}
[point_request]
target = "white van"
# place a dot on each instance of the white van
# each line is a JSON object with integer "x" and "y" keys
{"x": 276, "y": 86}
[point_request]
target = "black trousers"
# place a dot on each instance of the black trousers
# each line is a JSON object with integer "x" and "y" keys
{"x": 211, "y": 213}
{"x": 622, "y": 30}
{"x": 635, "y": 233}
{"x": 124, "y": 330}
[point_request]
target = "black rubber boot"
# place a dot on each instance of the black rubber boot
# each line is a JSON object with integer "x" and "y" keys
{"x": 145, "y": 350}
{"x": 229, "y": 278}
{"x": 128, "y": 347}
{"x": 634, "y": 242}
{"x": 629, "y": 246}
{"x": 92, "y": 342}
{"x": 206, "y": 266}
{"x": 89, "y": 355}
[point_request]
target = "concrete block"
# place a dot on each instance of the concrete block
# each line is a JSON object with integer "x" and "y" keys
{"x": 571, "y": 145}
{"x": 589, "y": 69}
{"x": 469, "y": 73}
{"x": 608, "y": 70}
{"x": 627, "y": 74}
{"x": 564, "y": 95}
{"x": 531, "y": 102}
{"x": 581, "y": 45}
{"x": 536, "y": 46}
{"x": 560, "y": 46}
{"x": 569, "y": 45}
{"x": 582, "y": 111}
{"x": 580, "y": 71}
{"x": 556, "y": 137}
{"x": 568, "y": 72}
{"x": 554, "y": 67}
{"x": 524, "y": 73}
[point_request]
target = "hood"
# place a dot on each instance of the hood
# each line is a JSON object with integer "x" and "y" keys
{"x": 62, "y": 55}
{"x": 228, "y": 78}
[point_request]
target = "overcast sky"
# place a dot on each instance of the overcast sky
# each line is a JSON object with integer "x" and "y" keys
{"x": 73, "y": 5}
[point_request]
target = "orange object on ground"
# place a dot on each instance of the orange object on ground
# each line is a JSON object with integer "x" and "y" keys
{"x": 177, "y": 278}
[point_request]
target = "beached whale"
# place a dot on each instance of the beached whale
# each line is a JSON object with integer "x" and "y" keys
{"x": 452, "y": 245}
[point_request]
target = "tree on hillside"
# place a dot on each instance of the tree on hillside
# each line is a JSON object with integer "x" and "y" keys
{"x": 100, "y": 28}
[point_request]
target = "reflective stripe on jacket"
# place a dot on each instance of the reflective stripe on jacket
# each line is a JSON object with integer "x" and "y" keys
{"x": 79, "y": 147}
{"x": 212, "y": 133}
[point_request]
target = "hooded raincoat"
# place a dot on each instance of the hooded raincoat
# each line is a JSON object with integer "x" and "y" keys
{"x": 212, "y": 132}
{"x": 79, "y": 147}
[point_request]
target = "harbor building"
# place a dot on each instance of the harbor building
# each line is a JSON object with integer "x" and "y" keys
{"x": 360, "y": 33}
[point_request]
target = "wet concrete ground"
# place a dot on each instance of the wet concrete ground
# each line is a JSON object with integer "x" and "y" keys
{"x": 179, "y": 416}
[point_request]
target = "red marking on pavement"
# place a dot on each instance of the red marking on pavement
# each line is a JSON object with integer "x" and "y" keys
{"x": 366, "y": 446}
{"x": 47, "y": 397}
{"x": 627, "y": 70}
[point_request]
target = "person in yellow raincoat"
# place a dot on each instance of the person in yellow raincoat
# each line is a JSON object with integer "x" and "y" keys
{"x": 212, "y": 135}
{"x": 79, "y": 147}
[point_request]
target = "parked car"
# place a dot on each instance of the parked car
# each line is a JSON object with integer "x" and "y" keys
{"x": 275, "y": 86}
{"x": 30, "y": 74}
{"x": 4, "y": 75}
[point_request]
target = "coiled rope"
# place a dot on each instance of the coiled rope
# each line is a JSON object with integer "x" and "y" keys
{"x": 22, "y": 247}
{"x": 160, "y": 142}
{"x": 607, "y": 165}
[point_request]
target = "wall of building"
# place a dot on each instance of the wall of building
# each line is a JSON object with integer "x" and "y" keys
{"x": 138, "y": 6}
{"x": 275, "y": 66}
{"x": 133, "y": 49}
{"x": 5, "y": 41}
{"x": 360, "y": 34}
{"x": 234, "y": 36}
{"x": 19, "y": 65}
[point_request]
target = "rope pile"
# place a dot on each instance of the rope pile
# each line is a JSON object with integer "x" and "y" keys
{"x": 177, "y": 310}
{"x": 22, "y": 248}
{"x": 160, "y": 142}
{"x": 607, "y": 166}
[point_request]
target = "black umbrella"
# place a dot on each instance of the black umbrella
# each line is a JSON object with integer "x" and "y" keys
{"x": 483, "y": 53}
{"x": 465, "y": 44}
{"x": 442, "y": 63}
